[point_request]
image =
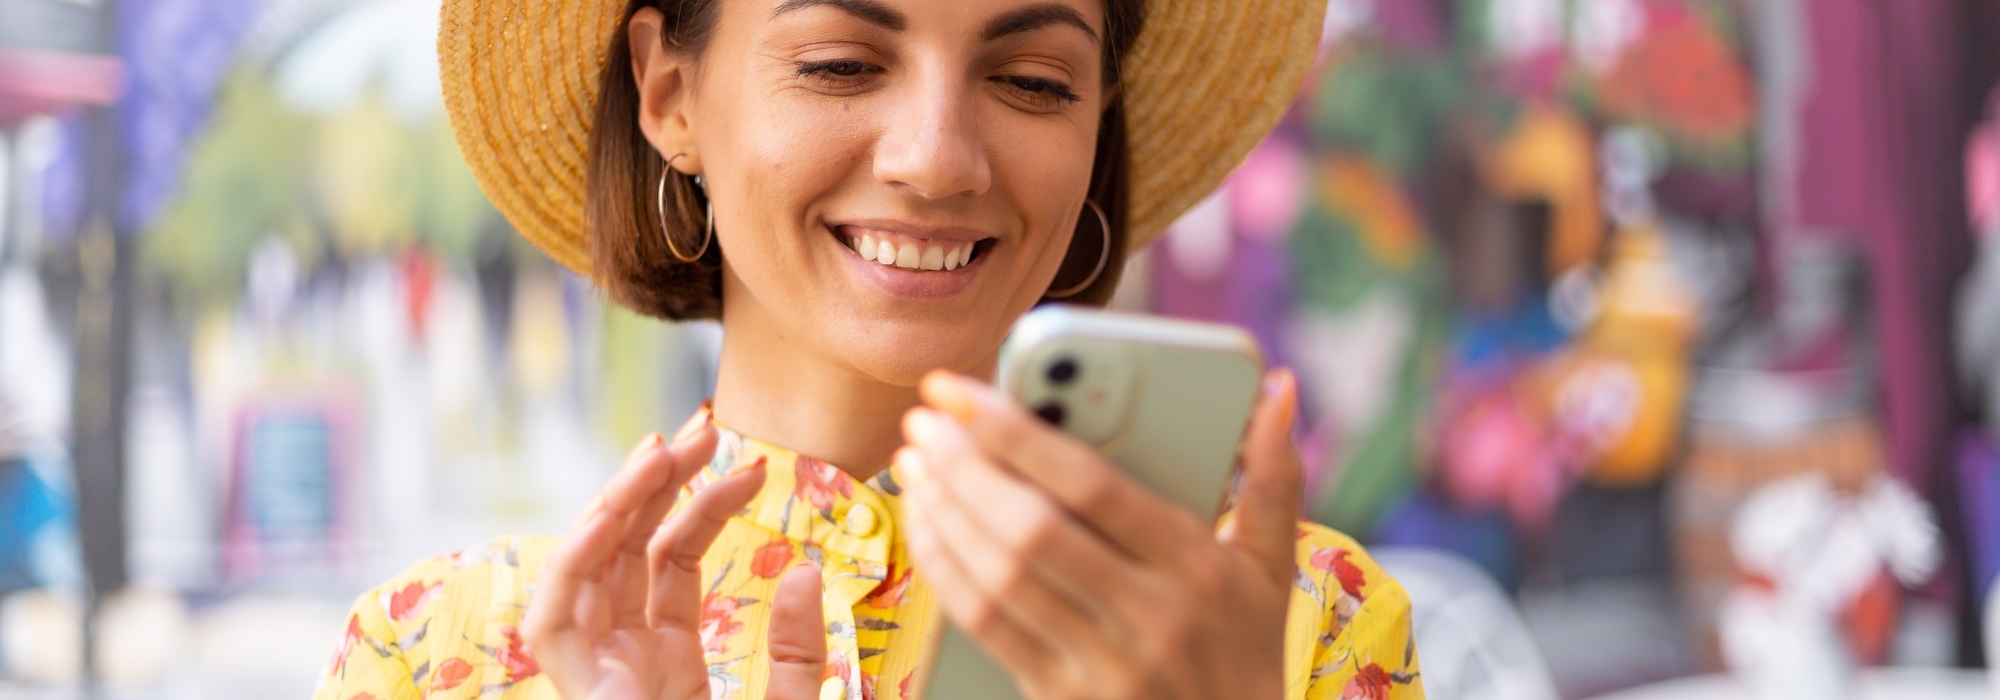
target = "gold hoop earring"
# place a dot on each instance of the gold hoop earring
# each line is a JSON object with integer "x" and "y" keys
{"x": 1104, "y": 234}
{"x": 708, "y": 235}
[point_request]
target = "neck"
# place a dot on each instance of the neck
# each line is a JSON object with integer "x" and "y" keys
{"x": 783, "y": 391}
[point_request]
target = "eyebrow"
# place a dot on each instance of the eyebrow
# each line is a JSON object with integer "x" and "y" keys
{"x": 869, "y": 10}
{"x": 1035, "y": 17}
{"x": 1025, "y": 19}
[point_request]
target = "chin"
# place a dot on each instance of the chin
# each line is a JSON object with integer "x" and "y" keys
{"x": 901, "y": 352}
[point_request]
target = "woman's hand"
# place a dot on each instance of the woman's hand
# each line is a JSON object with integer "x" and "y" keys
{"x": 617, "y": 612}
{"x": 1082, "y": 582}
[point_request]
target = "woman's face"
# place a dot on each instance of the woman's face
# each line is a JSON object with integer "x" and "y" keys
{"x": 894, "y": 181}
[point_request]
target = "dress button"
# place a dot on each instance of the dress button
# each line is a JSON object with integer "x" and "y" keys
{"x": 862, "y": 520}
{"x": 833, "y": 689}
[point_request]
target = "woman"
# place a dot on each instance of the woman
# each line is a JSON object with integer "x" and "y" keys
{"x": 864, "y": 192}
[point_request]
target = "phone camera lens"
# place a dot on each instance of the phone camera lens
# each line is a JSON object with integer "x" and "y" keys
{"x": 1062, "y": 371}
{"x": 1051, "y": 412}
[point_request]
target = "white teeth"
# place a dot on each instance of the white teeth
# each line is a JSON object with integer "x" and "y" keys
{"x": 924, "y": 255}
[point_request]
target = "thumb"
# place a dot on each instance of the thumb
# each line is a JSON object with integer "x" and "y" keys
{"x": 797, "y": 636}
{"x": 1267, "y": 499}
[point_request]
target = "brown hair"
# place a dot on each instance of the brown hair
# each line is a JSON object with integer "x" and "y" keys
{"x": 629, "y": 253}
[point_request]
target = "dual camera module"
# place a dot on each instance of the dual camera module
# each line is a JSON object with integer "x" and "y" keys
{"x": 1060, "y": 374}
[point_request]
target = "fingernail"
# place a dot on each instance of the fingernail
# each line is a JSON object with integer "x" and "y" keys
{"x": 923, "y": 425}
{"x": 692, "y": 426}
{"x": 1276, "y": 380}
{"x": 647, "y": 444}
{"x": 909, "y": 467}
{"x": 952, "y": 394}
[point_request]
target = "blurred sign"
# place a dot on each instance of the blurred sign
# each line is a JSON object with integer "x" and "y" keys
{"x": 53, "y": 54}
{"x": 287, "y": 490}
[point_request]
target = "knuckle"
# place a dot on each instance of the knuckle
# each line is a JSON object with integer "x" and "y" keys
{"x": 983, "y": 617}
{"x": 1097, "y": 492}
{"x": 1008, "y": 429}
{"x": 1010, "y": 578}
{"x": 672, "y": 553}
{"x": 659, "y": 548}
{"x": 1039, "y": 533}
{"x": 686, "y": 559}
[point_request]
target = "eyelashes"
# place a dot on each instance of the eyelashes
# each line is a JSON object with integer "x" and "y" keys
{"x": 849, "y": 75}
{"x": 836, "y": 70}
{"x": 1043, "y": 86}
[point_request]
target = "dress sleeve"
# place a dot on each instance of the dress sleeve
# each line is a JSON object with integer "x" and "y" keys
{"x": 1358, "y": 621}
{"x": 368, "y": 662}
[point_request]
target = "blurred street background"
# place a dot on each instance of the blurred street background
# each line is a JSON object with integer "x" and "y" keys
{"x": 1654, "y": 344}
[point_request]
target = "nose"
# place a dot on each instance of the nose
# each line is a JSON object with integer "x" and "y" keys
{"x": 931, "y": 146}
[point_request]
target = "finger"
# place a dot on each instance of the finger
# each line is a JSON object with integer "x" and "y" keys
{"x": 688, "y": 456}
{"x": 1019, "y": 558}
{"x": 673, "y": 557}
{"x": 551, "y": 624}
{"x": 642, "y": 494}
{"x": 644, "y": 447}
{"x": 652, "y": 479}
{"x": 967, "y": 607}
{"x": 1009, "y": 521}
{"x": 798, "y": 636}
{"x": 1079, "y": 478}
{"x": 1268, "y": 498}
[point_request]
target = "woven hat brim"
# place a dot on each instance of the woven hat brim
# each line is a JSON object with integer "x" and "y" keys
{"x": 1207, "y": 80}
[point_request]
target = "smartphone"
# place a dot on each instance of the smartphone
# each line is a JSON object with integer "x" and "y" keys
{"x": 1166, "y": 400}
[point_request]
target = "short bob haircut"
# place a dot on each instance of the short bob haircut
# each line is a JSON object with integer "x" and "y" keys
{"x": 628, "y": 250}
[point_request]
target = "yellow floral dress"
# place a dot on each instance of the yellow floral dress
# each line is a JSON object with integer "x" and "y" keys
{"x": 446, "y": 628}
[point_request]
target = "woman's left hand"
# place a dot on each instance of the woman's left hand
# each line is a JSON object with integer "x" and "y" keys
{"x": 1082, "y": 582}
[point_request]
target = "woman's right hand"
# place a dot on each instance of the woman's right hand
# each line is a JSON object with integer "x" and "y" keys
{"x": 617, "y": 612}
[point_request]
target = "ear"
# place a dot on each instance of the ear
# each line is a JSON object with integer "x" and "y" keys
{"x": 664, "y": 79}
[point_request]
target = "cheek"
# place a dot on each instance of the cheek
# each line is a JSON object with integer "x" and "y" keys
{"x": 1045, "y": 166}
{"x": 782, "y": 160}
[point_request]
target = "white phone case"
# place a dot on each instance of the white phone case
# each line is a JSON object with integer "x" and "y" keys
{"x": 1166, "y": 400}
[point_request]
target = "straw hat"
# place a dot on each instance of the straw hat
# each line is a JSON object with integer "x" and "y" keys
{"x": 1205, "y": 82}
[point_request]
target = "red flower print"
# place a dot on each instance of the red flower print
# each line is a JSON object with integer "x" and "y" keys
{"x": 818, "y": 482}
{"x": 903, "y": 688}
{"x": 338, "y": 664}
{"x": 450, "y": 674}
{"x": 519, "y": 664}
{"x": 1370, "y": 683}
{"x": 363, "y": 696}
{"x": 893, "y": 591}
{"x": 772, "y": 558}
{"x": 1334, "y": 561}
{"x": 718, "y": 621}
{"x": 404, "y": 605}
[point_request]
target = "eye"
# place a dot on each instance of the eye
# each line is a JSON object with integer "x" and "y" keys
{"x": 836, "y": 69}
{"x": 1045, "y": 93}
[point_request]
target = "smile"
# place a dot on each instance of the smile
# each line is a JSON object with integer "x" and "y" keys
{"x": 892, "y": 249}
